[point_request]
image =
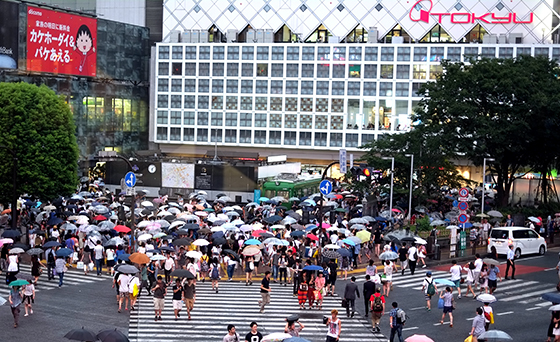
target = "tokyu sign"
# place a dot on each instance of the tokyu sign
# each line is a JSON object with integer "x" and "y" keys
{"x": 464, "y": 17}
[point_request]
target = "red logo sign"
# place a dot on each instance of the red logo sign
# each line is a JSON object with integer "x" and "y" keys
{"x": 466, "y": 17}
{"x": 61, "y": 43}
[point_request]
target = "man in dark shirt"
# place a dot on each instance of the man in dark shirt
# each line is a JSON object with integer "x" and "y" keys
{"x": 403, "y": 257}
{"x": 159, "y": 291}
{"x": 189, "y": 295}
{"x": 177, "y": 298}
{"x": 350, "y": 293}
{"x": 265, "y": 291}
{"x": 253, "y": 335}
{"x": 333, "y": 267}
{"x": 368, "y": 291}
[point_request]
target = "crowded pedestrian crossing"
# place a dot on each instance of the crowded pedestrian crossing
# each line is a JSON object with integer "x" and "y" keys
{"x": 237, "y": 304}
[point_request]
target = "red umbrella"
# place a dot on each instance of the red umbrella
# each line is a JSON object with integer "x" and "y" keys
{"x": 313, "y": 237}
{"x": 257, "y": 233}
{"x": 338, "y": 196}
{"x": 99, "y": 218}
{"x": 122, "y": 229}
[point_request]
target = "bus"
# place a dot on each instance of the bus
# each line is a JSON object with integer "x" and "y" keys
{"x": 290, "y": 185}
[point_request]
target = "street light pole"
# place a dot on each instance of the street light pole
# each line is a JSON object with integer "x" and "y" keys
{"x": 483, "y": 178}
{"x": 410, "y": 194}
{"x": 391, "y": 195}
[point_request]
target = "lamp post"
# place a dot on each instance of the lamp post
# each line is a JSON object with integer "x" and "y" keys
{"x": 410, "y": 194}
{"x": 483, "y": 177}
{"x": 391, "y": 195}
{"x": 14, "y": 186}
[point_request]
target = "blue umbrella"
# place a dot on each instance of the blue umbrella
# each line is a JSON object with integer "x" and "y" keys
{"x": 296, "y": 339}
{"x": 349, "y": 242}
{"x": 552, "y": 297}
{"x": 217, "y": 235}
{"x": 379, "y": 218}
{"x": 445, "y": 282}
{"x": 53, "y": 221}
{"x": 263, "y": 199}
{"x": 344, "y": 252}
{"x": 123, "y": 257}
{"x": 312, "y": 268}
{"x": 64, "y": 252}
{"x": 252, "y": 242}
{"x": 465, "y": 225}
{"x": 297, "y": 233}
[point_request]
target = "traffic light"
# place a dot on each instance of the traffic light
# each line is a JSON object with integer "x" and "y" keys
{"x": 362, "y": 170}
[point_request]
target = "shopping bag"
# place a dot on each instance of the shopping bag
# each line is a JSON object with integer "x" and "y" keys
{"x": 75, "y": 256}
{"x": 80, "y": 265}
{"x": 469, "y": 339}
{"x": 91, "y": 266}
{"x": 440, "y": 303}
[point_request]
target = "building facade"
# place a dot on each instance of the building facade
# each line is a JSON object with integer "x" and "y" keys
{"x": 308, "y": 78}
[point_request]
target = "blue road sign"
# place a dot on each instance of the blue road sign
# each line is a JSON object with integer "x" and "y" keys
{"x": 130, "y": 179}
{"x": 325, "y": 187}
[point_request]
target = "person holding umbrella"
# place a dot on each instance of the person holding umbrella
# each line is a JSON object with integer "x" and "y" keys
{"x": 15, "y": 299}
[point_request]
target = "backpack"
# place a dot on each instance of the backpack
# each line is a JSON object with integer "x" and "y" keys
{"x": 431, "y": 288}
{"x": 215, "y": 272}
{"x": 377, "y": 304}
{"x": 401, "y": 316}
{"x": 50, "y": 257}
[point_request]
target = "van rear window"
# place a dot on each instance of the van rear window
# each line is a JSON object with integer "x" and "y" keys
{"x": 499, "y": 234}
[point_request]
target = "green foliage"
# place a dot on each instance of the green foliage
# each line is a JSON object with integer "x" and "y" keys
{"x": 38, "y": 125}
{"x": 423, "y": 224}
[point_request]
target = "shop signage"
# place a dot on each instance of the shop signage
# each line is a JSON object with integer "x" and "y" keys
{"x": 61, "y": 43}
{"x": 465, "y": 17}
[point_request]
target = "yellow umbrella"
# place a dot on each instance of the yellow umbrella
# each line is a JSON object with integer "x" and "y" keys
{"x": 364, "y": 235}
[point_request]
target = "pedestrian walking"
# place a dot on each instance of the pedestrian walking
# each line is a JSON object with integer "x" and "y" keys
{"x": 297, "y": 275}
{"x": 232, "y": 335}
{"x": 396, "y": 322}
{"x": 332, "y": 265}
{"x": 422, "y": 253}
{"x": 469, "y": 268}
{"x": 124, "y": 295}
{"x": 302, "y": 294}
{"x": 204, "y": 266}
{"x": 230, "y": 263}
{"x": 254, "y": 335}
{"x": 320, "y": 290}
{"x": 249, "y": 267}
{"x": 412, "y": 258}
{"x": 151, "y": 269}
{"x": 15, "y": 300}
{"x": 350, "y": 293}
{"x": 377, "y": 306}
{"x": 553, "y": 327}
{"x": 177, "y": 298}
{"x": 28, "y": 298}
{"x": 334, "y": 327}
{"x": 85, "y": 259}
{"x": 429, "y": 288}
{"x": 110, "y": 256}
{"x": 133, "y": 290}
{"x": 488, "y": 315}
{"x": 215, "y": 274}
{"x": 99, "y": 254}
{"x": 51, "y": 262}
{"x": 447, "y": 296}
{"x": 368, "y": 290}
{"x": 168, "y": 267}
{"x": 36, "y": 267}
{"x": 388, "y": 279}
{"x": 403, "y": 257}
{"x": 291, "y": 328}
{"x": 265, "y": 291}
{"x": 60, "y": 268}
{"x": 283, "y": 269}
{"x": 455, "y": 271}
{"x": 189, "y": 295}
{"x": 493, "y": 276}
{"x": 159, "y": 290}
{"x": 478, "y": 263}
{"x": 483, "y": 279}
{"x": 477, "y": 325}
{"x": 510, "y": 263}
{"x": 311, "y": 292}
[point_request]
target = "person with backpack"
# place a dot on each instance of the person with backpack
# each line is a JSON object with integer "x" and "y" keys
{"x": 429, "y": 287}
{"x": 397, "y": 319}
{"x": 215, "y": 274}
{"x": 377, "y": 302}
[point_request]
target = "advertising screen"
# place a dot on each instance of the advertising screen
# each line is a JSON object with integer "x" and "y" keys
{"x": 9, "y": 19}
{"x": 61, "y": 43}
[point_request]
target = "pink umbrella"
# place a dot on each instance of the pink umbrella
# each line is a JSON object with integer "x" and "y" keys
{"x": 158, "y": 200}
{"x": 6, "y": 240}
{"x": 313, "y": 237}
{"x": 153, "y": 226}
{"x": 325, "y": 225}
{"x": 419, "y": 338}
{"x": 396, "y": 210}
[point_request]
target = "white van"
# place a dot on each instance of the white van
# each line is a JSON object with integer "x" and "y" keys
{"x": 524, "y": 240}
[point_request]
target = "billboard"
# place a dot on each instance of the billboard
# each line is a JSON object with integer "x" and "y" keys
{"x": 176, "y": 175}
{"x": 9, "y": 22}
{"x": 61, "y": 43}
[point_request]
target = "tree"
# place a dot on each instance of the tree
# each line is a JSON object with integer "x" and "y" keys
{"x": 505, "y": 109}
{"x": 38, "y": 126}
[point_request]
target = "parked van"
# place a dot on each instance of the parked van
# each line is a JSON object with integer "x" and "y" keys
{"x": 524, "y": 240}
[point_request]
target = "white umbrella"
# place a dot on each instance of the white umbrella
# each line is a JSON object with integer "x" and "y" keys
{"x": 452, "y": 227}
{"x": 275, "y": 337}
{"x": 554, "y": 308}
{"x": 144, "y": 237}
{"x": 143, "y": 224}
{"x": 158, "y": 257}
{"x": 533, "y": 219}
{"x": 163, "y": 213}
{"x": 486, "y": 298}
{"x": 174, "y": 211}
{"x": 331, "y": 246}
{"x": 358, "y": 220}
{"x": 176, "y": 224}
{"x": 437, "y": 223}
{"x": 82, "y": 220}
{"x": 495, "y": 335}
{"x": 495, "y": 213}
{"x": 420, "y": 241}
{"x": 200, "y": 242}
{"x": 217, "y": 229}
{"x": 194, "y": 254}
{"x": 16, "y": 250}
{"x": 147, "y": 204}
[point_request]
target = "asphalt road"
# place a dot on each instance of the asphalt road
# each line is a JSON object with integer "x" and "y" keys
{"x": 519, "y": 311}
{"x": 59, "y": 310}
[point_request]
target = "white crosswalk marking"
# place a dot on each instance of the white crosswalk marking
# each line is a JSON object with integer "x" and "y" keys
{"x": 238, "y": 304}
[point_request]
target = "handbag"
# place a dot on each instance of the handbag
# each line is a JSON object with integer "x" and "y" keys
{"x": 344, "y": 303}
{"x": 75, "y": 256}
{"x": 80, "y": 265}
{"x": 469, "y": 339}
{"x": 440, "y": 303}
{"x": 90, "y": 265}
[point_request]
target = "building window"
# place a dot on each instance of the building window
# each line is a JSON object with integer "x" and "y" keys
{"x": 387, "y": 54}
{"x": 277, "y": 53}
{"x": 189, "y": 102}
{"x": 204, "y": 52}
{"x": 387, "y": 71}
{"x": 262, "y": 53}
{"x": 454, "y": 54}
{"x": 555, "y": 54}
{"x": 489, "y": 52}
{"x": 261, "y": 103}
{"x": 306, "y": 104}
{"x": 307, "y": 87}
{"x": 416, "y": 89}
{"x": 276, "y": 87}
{"x": 355, "y": 54}
{"x": 163, "y": 101}
{"x": 323, "y": 71}
{"x": 367, "y": 138}
{"x": 216, "y": 135}
{"x": 231, "y": 119}
{"x": 217, "y": 102}
{"x": 202, "y": 118}
{"x": 308, "y": 53}
{"x": 293, "y": 53}
{"x": 436, "y": 53}
{"x": 471, "y": 52}
{"x": 420, "y": 54}
{"x": 218, "y": 69}
{"x": 246, "y": 86}
{"x": 337, "y": 105}
{"x": 163, "y": 69}
{"x": 163, "y": 85}
{"x": 353, "y": 88}
{"x": 245, "y": 119}
{"x": 385, "y": 89}
{"x": 275, "y": 121}
{"x": 277, "y": 70}
{"x": 276, "y": 104}
{"x": 403, "y": 72}
{"x": 244, "y": 137}
{"x": 202, "y": 134}
{"x": 162, "y": 117}
{"x": 370, "y": 71}
{"x": 322, "y": 104}
{"x": 260, "y": 137}
{"x": 188, "y": 118}
{"x": 322, "y": 88}
{"x": 175, "y": 134}
{"x": 291, "y": 87}
{"x": 435, "y": 71}
{"x": 419, "y": 71}
{"x": 307, "y": 70}
{"x": 232, "y": 86}
{"x": 291, "y": 104}
{"x": 204, "y": 69}
{"x": 219, "y": 52}
{"x": 188, "y": 134}
{"x": 262, "y": 69}
{"x": 203, "y": 101}
{"x": 231, "y": 136}
{"x": 541, "y": 51}
{"x": 231, "y": 102}
{"x": 336, "y": 140}
{"x": 337, "y": 88}
{"x": 339, "y": 53}
{"x": 177, "y": 69}
{"x": 337, "y": 122}
{"x": 233, "y": 53}
{"x": 370, "y": 54}
{"x": 162, "y": 133}
{"x": 403, "y": 54}
{"x": 177, "y": 84}
{"x": 324, "y": 53}
{"x": 203, "y": 85}
{"x": 190, "y": 69}
{"x": 261, "y": 87}
{"x": 217, "y": 86}
{"x": 247, "y": 53}
{"x": 217, "y": 119}
{"x": 320, "y": 139}
{"x": 190, "y": 52}
{"x": 247, "y": 70}
{"x": 233, "y": 69}
{"x": 290, "y": 121}
{"x": 351, "y": 140}
{"x": 292, "y": 70}
{"x": 289, "y": 138}
{"x": 321, "y": 122}
{"x": 164, "y": 52}
{"x": 506, "y": 52}
{"x": 401, "y": 89}
{"x": 339, "y": 71}
{"x": 305, "y": 121}
{"x": 305, "y": 138}
{"x": 246, "y": 103}
{"x": 370, "y": 89}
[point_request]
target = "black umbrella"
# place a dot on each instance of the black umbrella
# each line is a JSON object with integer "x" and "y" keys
{"x": 191, "y": 226}
{"x": 331, "y": 254}
{"x": 204, "y": 231}
{"x": 217, "y": 235}
{"x": 112, "y": 336}
{"x": 182, "y": 242}
{"x": 53, "y": 221}
{"x": 10, "y": 233}
{"x": 169, "y": 218}
{"x": 231, "y": 253}
{"x": 344, "y": 252}
{"x": 408, "y": 239}
{"x": 81, "y": 335}
{"x": 51, "y": 244}
{"x": 166, "y": 248}
{"x": 182, "y": 273}
{"x": 219, "y": 241}
{"x": 297, "y": 233}
{"x": 21, "y": 245}
{"x": 273, "y": 219}
{"x": 293, "y": 214}
{"x": 182, "y": 232}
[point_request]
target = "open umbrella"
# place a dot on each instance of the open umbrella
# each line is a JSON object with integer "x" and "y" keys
{"x": 418, "y": 338}
{"x": 363, "y": 235}
{"x": 19, "y": 282}
{"x": 490, "y": 261}
{"x": 389, "y": 255}
{"x": 10, "y": 233}
{"x": 201, "y": 242}
{"x": 250, "y": 251}
{"x": 420, "y": 241}
{"x": 445, "y": 282}
{"x": 554, "y": 308}
{"x": 486, "y": 298}
{"x": 144, "y": 237}
{"x": 51, "y": 244}
{"x": 551, "y": 296}
{"x": 495, "y": 213}
{"x": 121, "y": 229}
{"x": 194, "y": 254}
{"x": 182, "y": 242}
{"x": 139, "y": 258}
{"x": 123, "y": 257}
{"x": 16, "y": 251}
{"x": 296, "y": 339}
{"x": 349, "y": 242}
{"x": 158, "y": 257}
{"x": 331, "y": 254}
{"x": 112, "y": 336}
{"x": 182, "y": 273}
{"x": 252, "y": 242}
{"x": 64, "y": 252}
{"x": 129, "y": 269}
{"x": 231, "y": 253}
{"x": 534, "y": 219}
{"x": 276, "y": 337}
{"x": 312, "y": 268}
{"x": 495, "y": 336}
{"x": 35, "y": 251}
{"x": 81, "y": 335}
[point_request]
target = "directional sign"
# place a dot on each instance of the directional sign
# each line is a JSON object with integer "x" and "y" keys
{"x": 342, "y": 160}
{"x": 130, "y": 179}
{"x": 464, "y": 192}
{"x": 463, "y": 206}
{"x": 463, "y": 218}
{"x": 325, "y": 187}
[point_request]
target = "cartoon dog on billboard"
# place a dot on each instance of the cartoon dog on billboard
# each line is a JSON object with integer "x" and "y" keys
{"x": 84, "y": 44}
